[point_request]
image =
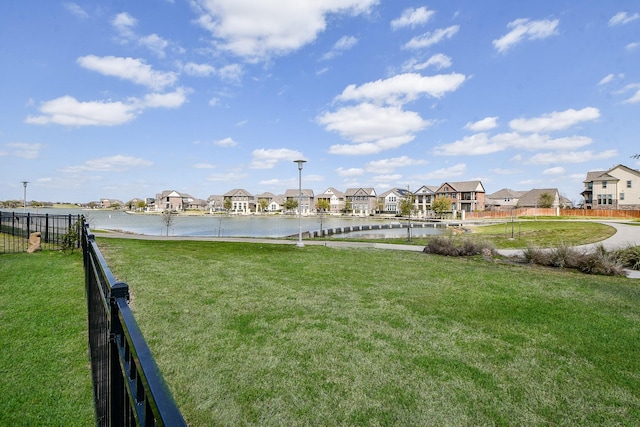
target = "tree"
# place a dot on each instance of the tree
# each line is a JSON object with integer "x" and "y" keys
{"x": 227, "y": 203}
{"x": 140, "y": 205}
{"x": 441, "y": 205}
{"x": 263, "y": 203}
{"x": 290, "y": 204}
{"x": 546, "y": 200}
{"x": 348, "y": 204}
{"x": 323, "y": 205}
{"x": 406, "y": 204}
{"x": 167, "y": 219}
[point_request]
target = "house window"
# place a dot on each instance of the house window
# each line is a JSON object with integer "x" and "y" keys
{"x": 629, "y": 184}
{"x": 609, "y": 199}
{"x": 621, "y": 196}
{"x": 604, "y": 184}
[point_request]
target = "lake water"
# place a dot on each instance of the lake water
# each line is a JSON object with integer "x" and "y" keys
{"x": 273, "y": 226}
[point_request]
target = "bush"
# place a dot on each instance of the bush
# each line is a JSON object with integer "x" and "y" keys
{"x": 449, "y": 246}
{"x": 598, "y": 262}
{"x": 629, "y": 257}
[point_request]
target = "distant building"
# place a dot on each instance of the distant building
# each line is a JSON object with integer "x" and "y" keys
{"x": 616, "y": 188}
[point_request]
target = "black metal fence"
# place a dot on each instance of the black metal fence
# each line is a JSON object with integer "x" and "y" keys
{"x": 127, "y": 384}
{"x": 55, "y": 231}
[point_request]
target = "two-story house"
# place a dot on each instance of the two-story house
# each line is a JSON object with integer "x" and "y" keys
{"x": 423, "y": 199}
{"x": 306, "y": 202}
{"x": 334, "y": 197}
{"x": 465, "y": 196}
{"x": 363, "y": 201}
{"x": 616, "y": 188}
{"x": 239, "y": 200}
{"x": 390, "y": 201}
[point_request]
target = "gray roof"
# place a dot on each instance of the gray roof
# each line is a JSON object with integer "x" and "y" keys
{"x": 531, "y": 197}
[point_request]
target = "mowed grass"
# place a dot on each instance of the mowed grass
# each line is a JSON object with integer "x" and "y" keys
{"x": 521, "y": 234}
{"x": 45, "y": 379}
{"x": 271, "y": 335}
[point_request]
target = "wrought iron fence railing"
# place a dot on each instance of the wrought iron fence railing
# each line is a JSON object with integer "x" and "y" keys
{"x": 55, "y": 231}
{"x": 127, "y": 384}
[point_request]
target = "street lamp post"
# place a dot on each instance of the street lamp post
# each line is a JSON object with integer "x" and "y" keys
{"x": 300, "y": 163}
{"x": 24, "y": 184}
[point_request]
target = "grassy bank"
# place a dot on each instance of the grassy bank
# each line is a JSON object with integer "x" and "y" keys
{"x": 44, "y": 366}
{"x": 251, "y": 334}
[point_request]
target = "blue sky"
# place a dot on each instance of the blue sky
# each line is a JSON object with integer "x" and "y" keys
{"x": 125, "y": 99}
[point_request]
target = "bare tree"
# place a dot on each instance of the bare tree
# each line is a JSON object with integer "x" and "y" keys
{"x": 167, "y": 219}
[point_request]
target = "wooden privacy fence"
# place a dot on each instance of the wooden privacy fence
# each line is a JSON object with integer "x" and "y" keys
{"x": 533, "y": 212}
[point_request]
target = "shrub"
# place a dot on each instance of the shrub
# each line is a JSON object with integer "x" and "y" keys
{"x": 629, "y": 257}
{"x": 599, "y": 261}
{"x": 603, "y": 263}
{"x": 449, "y": 246}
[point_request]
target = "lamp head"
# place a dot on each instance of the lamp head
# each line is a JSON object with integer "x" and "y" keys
{"x": 300, "y": 163}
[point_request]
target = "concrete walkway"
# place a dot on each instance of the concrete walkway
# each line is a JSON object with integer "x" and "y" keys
{"x": 626, "y": 235}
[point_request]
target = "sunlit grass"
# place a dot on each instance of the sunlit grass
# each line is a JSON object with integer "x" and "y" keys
{"x": 258, "y": 334}
{"x": 44, "y": 366}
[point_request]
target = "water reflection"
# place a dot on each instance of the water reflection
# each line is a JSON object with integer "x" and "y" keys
{"x": 275, "y": 226}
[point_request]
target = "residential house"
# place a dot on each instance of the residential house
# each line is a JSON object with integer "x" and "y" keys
{"x": 503, "y": 199}
{"x": 616, "y": 188}
{"x": 335, "y": 199}
{"x": 215, "y": 203}
{"x": 111, "y": 203}
{"x": 304, "y": 198}
{"x": 390, "y": 201}
{"x": 277, "y": 203}
{"x": 467, "y": 196}
{"x": 263, "y": 201}
{"x": 174, "y": 201}
{"x": 239, "y": 201}
{"x": 423, "y": 199}
{"x": 532, "y": 198}
{"x": 363, "y": 201}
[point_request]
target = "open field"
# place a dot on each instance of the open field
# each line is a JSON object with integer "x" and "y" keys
{"x": 44, "y": 366}
{"x": 260, "y": 334}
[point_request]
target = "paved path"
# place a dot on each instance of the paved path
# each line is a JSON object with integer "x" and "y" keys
{"x": 626, "y": 235}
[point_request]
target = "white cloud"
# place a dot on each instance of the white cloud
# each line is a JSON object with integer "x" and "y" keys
{"x": 226, "y": 177}
{"x": 571, "y": 157}
{"x": 165, "y": 100}
{"x": 481, "y": 143}
{"x": 76, "y": 10}
{"x": 124, "y": 25}
{"x": 438, "y": 61}
{"x": 204, "y": 166}
{"x": 403, "y": 88}
{"x": 636, "y": 97}
{"x": 131, "y": 69}
{"x": 558, "y": 170}
{"x": 443, "y": 174}
{"x": 372, "y": 128}
{"x": 226, "y": 142}
{"x": 117, "y": 163}
{"x": 412, "y": 18}
{"x": 478, "y": 144}
{"x": 154, "y": 43}
{"x": 387, "y": 178}
{"x": 231, "y": 72}
{"x": 632, "y": 46}
{"x": 258, "y": 30}
{"x": 68, "y": 111}
{"x": 349, "y": 172}
{"x": 525, "y": 29}
{"x": 622, "y": 18}
{"x": 555, "y": 120}
{"x": 429, "y": 39}
{"x": 22, "y": 149}
{"x": 342, "y": 45}
{"x": 268, "y": 158}
{"x": 487, "y": 123}
{"x": 199, "y": 70}
{"x": 389, "y": 165}
{"x": 609, "y": 78}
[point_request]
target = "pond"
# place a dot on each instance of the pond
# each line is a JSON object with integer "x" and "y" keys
{"x": 217, "y": 225}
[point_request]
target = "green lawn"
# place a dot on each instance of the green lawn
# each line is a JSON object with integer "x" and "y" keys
{"x": 260, "y": 334}
{"x": 45, "y": 378}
